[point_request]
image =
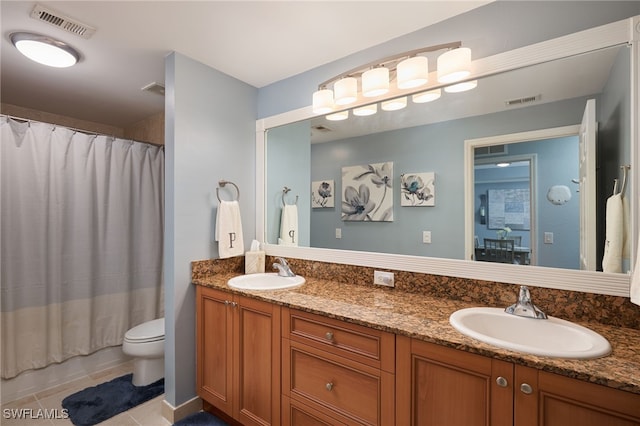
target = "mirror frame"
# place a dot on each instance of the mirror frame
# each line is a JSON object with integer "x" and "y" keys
{"x": 626, "y": 31}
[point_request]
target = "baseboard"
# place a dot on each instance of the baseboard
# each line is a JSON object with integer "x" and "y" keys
{"x": 174, "y": 414}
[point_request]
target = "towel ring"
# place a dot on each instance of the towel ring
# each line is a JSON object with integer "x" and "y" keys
{"x": 222, "y": 184}
{"x": 625, "y": 172}
{"x": 285, "y": 190}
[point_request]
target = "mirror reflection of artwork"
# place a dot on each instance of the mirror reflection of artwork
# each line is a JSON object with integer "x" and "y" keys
{"x": 509, "y": 208}
{"x": 368, "y": 193}
{"x": 418, "y": 189}
{"x": 322, "y": 194}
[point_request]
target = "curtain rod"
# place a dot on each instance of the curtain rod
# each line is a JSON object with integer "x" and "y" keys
{"x": 75, "y": 129}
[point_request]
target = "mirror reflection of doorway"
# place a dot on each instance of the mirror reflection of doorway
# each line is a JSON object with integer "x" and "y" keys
{"x": 553, "y": 237}
{"x": 504, "y": 187}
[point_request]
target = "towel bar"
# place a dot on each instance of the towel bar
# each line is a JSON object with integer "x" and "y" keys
{"x": 222, "y": 184}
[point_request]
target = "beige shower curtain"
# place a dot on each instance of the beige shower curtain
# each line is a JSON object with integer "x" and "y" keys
{"x": 81, "y": 222}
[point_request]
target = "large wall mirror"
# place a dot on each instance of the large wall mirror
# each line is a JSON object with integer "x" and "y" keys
{"x": 423, "y": 184}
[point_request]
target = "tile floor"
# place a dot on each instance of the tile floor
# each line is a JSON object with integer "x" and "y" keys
{"x": 146, "y": 414}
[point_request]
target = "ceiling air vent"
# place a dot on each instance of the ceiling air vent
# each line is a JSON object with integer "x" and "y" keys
{"x": 522, "y": 101}
{"x": 59, "y": 20}
{"x": 321, "y": 128}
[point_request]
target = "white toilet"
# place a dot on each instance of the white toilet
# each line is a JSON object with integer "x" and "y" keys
{"x": 145, "y": 342}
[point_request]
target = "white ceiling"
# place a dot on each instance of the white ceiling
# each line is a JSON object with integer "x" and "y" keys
{"x": 258, "y": 42}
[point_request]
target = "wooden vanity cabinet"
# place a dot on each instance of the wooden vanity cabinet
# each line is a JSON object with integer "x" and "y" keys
{"x": 438, "y": 385}
{"x": 238, "y": 356}
{"x": 335, "y": 373}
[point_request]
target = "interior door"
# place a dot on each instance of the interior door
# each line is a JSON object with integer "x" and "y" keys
{"x": 587, "y": 176}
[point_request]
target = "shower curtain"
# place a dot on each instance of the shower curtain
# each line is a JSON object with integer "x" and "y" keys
{"x": 81, "y": 224}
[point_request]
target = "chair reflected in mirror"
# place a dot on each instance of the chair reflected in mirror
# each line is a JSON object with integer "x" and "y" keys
{"x": 496, "y": 250}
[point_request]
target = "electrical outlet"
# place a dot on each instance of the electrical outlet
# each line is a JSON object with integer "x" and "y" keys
{"x": 338, "y": 233}
{"x": 426, "y": 237}
{"x": 383, "y": 278}
{"x": 548, "y": 237}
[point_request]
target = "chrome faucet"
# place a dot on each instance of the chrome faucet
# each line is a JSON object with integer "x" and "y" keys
{"x": 283, "y": 268}
{"x": 524, "y": 307}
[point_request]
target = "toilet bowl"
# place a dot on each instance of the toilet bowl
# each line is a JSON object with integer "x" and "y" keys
{"x": 145, "y": 342}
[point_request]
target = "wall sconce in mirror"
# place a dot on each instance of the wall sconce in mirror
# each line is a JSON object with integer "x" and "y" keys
{"x": 410, "y": 70}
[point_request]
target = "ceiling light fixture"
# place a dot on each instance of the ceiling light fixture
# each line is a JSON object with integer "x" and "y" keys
{"x": 461, "y": 87}
{"x": 409, "y": 69}
{"x": 424, "y": 97}
{"x": 394, "y": 104}
{"x": 45, "y": 50}
{"x": 366, "y": 110}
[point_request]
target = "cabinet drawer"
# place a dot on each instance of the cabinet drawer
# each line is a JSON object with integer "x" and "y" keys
{"x": 368, "y": 346}
{"x": 329, "y": 382}
{"x": 295, "y": 413}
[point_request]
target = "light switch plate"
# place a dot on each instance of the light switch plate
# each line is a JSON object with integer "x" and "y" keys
{"x": 548, "y": 237}
{"x": 426, "y": 237}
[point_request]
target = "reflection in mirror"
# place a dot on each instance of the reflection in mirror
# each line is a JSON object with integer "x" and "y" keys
{"x": 426, "y": 141}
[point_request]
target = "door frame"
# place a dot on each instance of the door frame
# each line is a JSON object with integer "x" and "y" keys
{"x": 469, "y": 181}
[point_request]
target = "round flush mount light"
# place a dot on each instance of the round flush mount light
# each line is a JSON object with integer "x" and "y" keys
{"x": 45, "y": 50}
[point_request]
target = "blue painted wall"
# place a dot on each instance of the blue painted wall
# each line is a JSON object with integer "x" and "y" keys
{"x": 435, "y": 148}
{"x": 288, "y": 154}
{"x": 210, "y": 135}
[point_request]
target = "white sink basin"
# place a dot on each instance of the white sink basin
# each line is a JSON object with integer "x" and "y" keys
{"x": 265, "y": 281}
{"x": 552, "y": 337}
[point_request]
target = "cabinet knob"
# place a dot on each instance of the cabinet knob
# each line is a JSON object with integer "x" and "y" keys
{"x": 329, "y": 336}
{"x": 502, "y": 382}
{"x": 226, "y": 302}
{"x": 526, "y": 388}
{"x": 329, "y": 386}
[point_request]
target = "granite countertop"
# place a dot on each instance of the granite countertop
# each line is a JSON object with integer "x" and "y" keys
{"x": 427, "y": 318}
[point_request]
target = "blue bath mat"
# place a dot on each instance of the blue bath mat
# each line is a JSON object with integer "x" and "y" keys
{"x": 201, "y": 419}
{"x": 99, "y": 403}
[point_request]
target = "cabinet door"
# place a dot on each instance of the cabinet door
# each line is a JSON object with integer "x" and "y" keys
{"x": 257, "y": 362}
{"x": 451, "y": 387}
{"x": 214, "y": 348}
{"x": 563, "y": 400}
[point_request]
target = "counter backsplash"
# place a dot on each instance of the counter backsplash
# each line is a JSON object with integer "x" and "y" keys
{"x": 569, "y": 305}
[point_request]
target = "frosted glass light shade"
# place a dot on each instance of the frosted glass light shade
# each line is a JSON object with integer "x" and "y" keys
{"x": 322, "y": 101}
{"x": 394, "y": 104}
{"x": 366, "y": 110}
{"x": 454, "y": 65}
{"x": 413, "y": 72}
{"x": 424, "y": 97}
{"x": 375, "y": 82}
{"x": 338, "y": 116}
{"x": 462, "y": 87}
{"x": 345, "y": 91}
{"x": 45, "y": 50}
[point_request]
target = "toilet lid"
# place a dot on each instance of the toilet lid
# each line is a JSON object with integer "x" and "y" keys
{"x": 149, "y": 331}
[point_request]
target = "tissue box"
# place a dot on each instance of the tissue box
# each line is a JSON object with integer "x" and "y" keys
{"x": 254, "y": 262}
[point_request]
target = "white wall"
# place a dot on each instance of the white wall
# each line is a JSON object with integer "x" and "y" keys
{"x": 210, "y": 135}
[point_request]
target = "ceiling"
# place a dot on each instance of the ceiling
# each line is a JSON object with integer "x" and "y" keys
{"x": 258, "y": 42}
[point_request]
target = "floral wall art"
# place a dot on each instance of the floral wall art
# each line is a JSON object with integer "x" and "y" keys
{"x": 322, "y": 194}
{"x": 367, "y": 192}
{"x": 418, "y": 189}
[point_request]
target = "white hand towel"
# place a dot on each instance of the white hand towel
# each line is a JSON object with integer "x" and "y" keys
{"x": 229, "y": 230}
{"x": 612, "y": 259}
{"x": 635, "y": 278}
{"x": 289, "y": 226}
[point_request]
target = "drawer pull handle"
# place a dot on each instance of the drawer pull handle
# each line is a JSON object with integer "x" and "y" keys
{"x": 502, "y": 382}
{"x": 526, "y": 388}
{"x": 329, "y": 386}
{"x": 329, "y": 336}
